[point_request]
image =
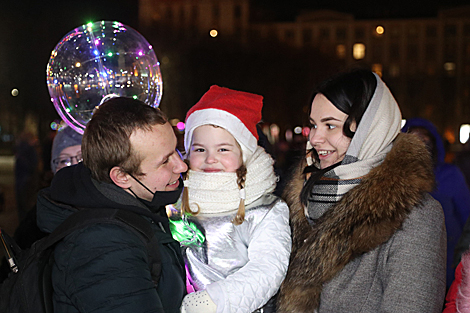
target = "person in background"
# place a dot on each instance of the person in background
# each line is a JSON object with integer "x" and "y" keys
{"x": 367, "y": 235}
{"x": 458, "y": 296}
{"x": 241, "y": 259}
{"x": 66, "y": 151}
{"x": 451, "y": 189}
{"x": 26, "y": 173}
{"x": 130, "y": 163}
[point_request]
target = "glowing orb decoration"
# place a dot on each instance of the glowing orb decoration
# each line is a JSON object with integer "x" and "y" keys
{"x": 96, "y": 62}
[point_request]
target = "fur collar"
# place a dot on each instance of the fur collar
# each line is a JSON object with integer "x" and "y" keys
{"x": 366, "y": 217}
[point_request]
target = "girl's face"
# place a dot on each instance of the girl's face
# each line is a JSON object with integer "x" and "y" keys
{"x": 214, "y": 149}
{"x": 326, "y": 134}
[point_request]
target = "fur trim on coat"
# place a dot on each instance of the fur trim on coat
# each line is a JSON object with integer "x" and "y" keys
{"x": 365, "y": 217}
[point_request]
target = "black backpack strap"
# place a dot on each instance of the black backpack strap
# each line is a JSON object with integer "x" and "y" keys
{"x": 86, "y": 217}
{"x": 144, "y": 227}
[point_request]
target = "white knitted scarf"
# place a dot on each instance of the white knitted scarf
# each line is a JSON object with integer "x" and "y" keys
{"x": 217, "y": 193}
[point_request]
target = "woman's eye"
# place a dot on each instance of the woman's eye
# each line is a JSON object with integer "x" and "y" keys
{"x": 331, "y": 126}
{"x": 223, "y": 149}
{"x": 199, "y": 150}
{"x": 313, "y": 126}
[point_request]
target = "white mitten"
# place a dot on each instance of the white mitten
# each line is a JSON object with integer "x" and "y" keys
{"x": 198, "y": 302}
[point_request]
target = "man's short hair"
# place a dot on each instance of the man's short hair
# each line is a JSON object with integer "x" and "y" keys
{"x": 106, "y": 141}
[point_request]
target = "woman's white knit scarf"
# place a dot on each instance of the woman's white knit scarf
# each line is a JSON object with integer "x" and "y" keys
{"x": 372, "y": 141}
{"x": 216, "y": 193}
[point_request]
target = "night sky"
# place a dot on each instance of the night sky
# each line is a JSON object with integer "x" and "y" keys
{"x": 287, "y": 10}
{"x": 32, "y": 28}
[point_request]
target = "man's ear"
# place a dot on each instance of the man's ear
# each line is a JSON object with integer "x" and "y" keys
{"x": 119, "y": 177}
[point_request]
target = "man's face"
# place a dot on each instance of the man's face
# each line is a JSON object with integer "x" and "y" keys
{"x": 161, "y": 164}
{"x": 69, "y": 156}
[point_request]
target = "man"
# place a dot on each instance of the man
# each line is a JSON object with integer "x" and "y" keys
{"x": 129, "y": 163}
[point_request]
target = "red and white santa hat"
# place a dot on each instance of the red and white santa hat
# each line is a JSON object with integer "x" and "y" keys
{"x": 236, "y": 111}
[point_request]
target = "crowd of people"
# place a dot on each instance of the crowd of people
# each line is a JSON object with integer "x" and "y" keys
{"x": 370, "y": 218}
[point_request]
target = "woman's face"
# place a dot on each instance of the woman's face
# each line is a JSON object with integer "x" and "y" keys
{"x": 326, "y": 133}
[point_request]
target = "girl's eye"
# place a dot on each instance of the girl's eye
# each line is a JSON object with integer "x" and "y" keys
{"x": 313, "y": 126}
{"x": 331, "y": 126}
{"x": 223, "y": 149}
{"x": 199, "y": 150}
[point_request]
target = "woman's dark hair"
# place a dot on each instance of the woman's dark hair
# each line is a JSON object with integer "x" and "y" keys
{"x": 351, "y": 93}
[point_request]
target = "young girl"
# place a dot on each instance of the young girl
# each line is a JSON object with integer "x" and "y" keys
{"x": 239, "y": 253}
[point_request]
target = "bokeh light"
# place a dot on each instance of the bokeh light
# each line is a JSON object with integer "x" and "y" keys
{"x": 464, "y": 133}
{"x": 213, "y": 33}
{"x": 379, "y": 30}
{"x": 181, "y": 126}
{"x": 98, "y": 61}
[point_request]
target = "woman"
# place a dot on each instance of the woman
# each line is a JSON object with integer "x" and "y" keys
{"x": 367, "y": 236}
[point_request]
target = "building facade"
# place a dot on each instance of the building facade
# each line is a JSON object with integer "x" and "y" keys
{"x": 425, "y": 61}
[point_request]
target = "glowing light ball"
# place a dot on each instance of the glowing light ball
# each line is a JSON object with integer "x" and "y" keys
{"x": 98, "y": 61}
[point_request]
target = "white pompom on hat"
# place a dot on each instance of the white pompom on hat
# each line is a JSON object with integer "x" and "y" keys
{"x": 237, "y": 112}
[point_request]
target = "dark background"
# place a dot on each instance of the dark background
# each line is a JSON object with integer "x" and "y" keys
{"x": 31, "y": 29}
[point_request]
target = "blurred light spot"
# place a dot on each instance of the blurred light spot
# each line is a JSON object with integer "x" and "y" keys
{"x": 377, "y": 68}
{"x": 213, "y": 33}
{"x": 289, "y": 135}
{"x": 464, "y": 133}
{"x": 359, "y": 51}
{"x": 449, "y": 66}
{"x": 181, "y": 126}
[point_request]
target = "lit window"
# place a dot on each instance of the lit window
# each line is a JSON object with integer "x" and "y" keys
{"x": 341, "y": 51}
{"x": 449, "y": 66}
{"x": 377, "y": 68}
{"x": 359, "y": 51}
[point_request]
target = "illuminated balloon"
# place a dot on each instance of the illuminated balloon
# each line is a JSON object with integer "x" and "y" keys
{"x": 97, "y": 61}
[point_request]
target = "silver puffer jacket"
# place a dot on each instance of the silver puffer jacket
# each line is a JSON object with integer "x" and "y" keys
{"x": 242, "y": 267}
